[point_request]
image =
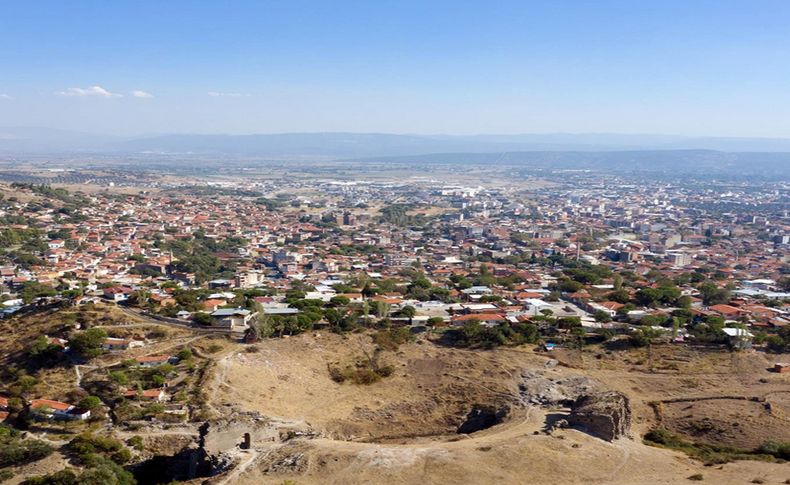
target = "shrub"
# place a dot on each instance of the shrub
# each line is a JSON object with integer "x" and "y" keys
{"x": 62, "y": 477}
{"x": 392, "y": 338}
{"x": 119, "y": 377}
{"x": 364, "y": 372}
{"x": 385, "y": 371}
{"x": 102, "y": 471}
{"x": 90, "y": 403}
{"x": 15, "y": 451}
{"x": 87, "y": 447}
{"x": 778, "y": 449}
{"x": 136, "y": 442}
{"x": 712, "y": 454}
{"x": 184, "y": 354}
{"x": 202, "y": 318}
{"x": 365, "y": 376}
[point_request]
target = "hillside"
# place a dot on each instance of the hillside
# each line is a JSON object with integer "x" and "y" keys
{"x": 404, "y": 429}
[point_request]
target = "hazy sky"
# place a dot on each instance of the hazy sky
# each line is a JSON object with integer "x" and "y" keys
{"x": 698, "y": 67}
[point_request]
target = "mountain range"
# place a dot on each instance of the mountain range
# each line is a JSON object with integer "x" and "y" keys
{"x": 559, "y": 150}
{"x": 355, "y": 145}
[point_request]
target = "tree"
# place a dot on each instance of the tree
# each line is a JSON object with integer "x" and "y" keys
{"x": 652, "y": 320}
{"x": 89, "y": 343}
{"x": 90, "y": 403}
{"x": 684, "y": 301}
{"x": 32, "y": 290}
{"x": 408, "y": 312}
{"x": 569, "y": 286}
{"x": 675, "y": 327}
{"x": 420, "y": 282}
{"x": 333, "y": 316}
{"x": 139, "y": 298}
{"x": 339, "y": 301}
{"x": 202, "y": 318}
{"x": 41, "y": 348}
{"x": 368, "y": 290}
{"x": 775, "y": 343}
{"x": 648, "y": 297}
{"x": 528, "y": 332}
{"x": 668, "y": 293}
{"x": 579, "y": 334}
{"x": 625, "y": 309}
{"x": 712, "y": 294}
{"x": 569, "y": 322}
{"x": 618, "y": 282}
{"x": 435, "y": 321}
{"x": 620, "y": 296}
{"x": 380, "y": 309}
{"x": 602, "y": 316}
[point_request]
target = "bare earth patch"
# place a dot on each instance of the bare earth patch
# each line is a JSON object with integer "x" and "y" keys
{"x": 403, "y": 428}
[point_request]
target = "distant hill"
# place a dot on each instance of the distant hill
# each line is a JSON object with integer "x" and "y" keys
{"x": 14, "y": 140}
{"x": 357, "y": 145}
{"x": 353, "y": 145}
{"x": 680, "y": 161}
{"x": 764, "y": 156}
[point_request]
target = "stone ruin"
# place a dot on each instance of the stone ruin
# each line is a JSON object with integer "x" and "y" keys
{"x": 602, "y": 413}
{"x": 606, "y": 415}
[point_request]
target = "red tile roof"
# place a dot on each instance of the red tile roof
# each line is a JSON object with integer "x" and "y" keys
{"x": 49, "y": 404}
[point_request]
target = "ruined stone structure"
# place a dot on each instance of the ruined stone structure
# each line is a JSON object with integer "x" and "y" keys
{"x": 606, "y": 415}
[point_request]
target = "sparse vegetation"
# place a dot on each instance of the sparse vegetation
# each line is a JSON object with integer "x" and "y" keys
{"x": 16, "y": 451}
{"x": 364, "y": 371}
{"x": 392, "y": 338}
{"x": 715, "y": 454}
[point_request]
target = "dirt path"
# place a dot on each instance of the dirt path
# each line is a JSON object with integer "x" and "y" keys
{"x": 250, "y": 457}
{"x": 191, "y": 432}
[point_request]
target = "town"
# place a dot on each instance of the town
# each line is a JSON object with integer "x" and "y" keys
{"x": 119, "y": 301}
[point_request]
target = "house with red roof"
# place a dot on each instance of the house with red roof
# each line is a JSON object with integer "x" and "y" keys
{"x": 154, "y": 360}
{"x": 49, "y": 409}
{"x": 487, "y": 319}
{"x": 727, "y": 311}
{"x": 156, "y": 395}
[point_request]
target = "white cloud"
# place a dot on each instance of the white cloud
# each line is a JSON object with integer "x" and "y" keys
{"x": 5, "y": 96}
{"x": 96, "y": 91}
{"x": 141, "y": 94}
{"x": 217, "y": 94}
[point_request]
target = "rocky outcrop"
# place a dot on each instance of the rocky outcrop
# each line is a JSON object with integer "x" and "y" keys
{"x": 606, "y": 415}
{"x": 538, "y": 388}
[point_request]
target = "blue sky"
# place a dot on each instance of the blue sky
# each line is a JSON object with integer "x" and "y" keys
{"x": 696, "y": 67}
